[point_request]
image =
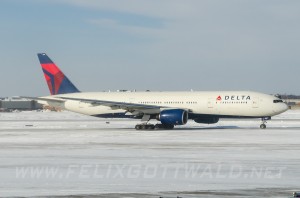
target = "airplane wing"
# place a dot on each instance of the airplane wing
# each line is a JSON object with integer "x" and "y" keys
{"x": 114, "y": 105}
{"x": 133, "y": 108}
{"x": 43, "y": 99}
{"x": 118, "y": 105}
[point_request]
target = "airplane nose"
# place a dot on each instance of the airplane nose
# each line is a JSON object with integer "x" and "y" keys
{"x": 280, "y": 108}
{"x": 286, "y": 107}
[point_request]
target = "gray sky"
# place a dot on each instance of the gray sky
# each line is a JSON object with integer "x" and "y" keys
{"x": 152, "y": 44}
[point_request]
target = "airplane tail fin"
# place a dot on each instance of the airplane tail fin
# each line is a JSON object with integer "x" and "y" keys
{"x": 57, "y": 82}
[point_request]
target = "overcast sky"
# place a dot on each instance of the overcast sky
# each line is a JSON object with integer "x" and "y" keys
{"x": 152, "y": 44}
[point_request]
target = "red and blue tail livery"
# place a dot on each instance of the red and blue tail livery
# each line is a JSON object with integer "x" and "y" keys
{"x": 57, "y": 82}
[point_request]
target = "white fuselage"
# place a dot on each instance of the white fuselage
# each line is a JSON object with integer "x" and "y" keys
{"x": 220, "y": 103}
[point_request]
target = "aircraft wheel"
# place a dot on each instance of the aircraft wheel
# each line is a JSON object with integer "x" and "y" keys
{"x": 263, "y": 126}
{"x": 138, "y": 127}
{"x": 151, "y": 126}
{"x": 157, "y": 126}
{"x": 144, "y": 126}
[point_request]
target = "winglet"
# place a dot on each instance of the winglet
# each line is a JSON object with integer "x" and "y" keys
{"x": 58, "y": 83}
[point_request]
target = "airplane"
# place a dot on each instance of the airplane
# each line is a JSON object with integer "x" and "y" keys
{"x": 169, "y": 108}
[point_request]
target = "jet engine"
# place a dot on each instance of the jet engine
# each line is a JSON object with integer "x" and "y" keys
{"x": 173, "y": 117}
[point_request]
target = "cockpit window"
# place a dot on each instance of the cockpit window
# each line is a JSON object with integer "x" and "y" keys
{"x": 277, "y": 101}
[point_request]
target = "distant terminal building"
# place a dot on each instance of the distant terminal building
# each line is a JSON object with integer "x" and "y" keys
{"x": 17, "y": 103}
{"x": 294, "y": 104}
{"x": 293, "y": 101}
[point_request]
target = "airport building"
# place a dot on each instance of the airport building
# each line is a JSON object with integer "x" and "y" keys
{"x": 17, "y": 103}
{"x": 294, "y": 104}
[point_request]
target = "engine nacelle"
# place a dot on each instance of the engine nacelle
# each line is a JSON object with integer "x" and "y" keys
{"x": 206, "y": 119}
{"x": 173, "y": 117}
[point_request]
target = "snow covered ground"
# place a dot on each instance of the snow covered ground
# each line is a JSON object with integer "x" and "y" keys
{"x": 61, "y": 154}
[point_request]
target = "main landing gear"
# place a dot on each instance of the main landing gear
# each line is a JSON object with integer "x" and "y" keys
{"x": 146, "y": 126}
{"x": 264, "y": 121}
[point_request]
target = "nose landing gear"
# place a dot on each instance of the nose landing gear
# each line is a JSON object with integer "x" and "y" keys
{"x": 264, "y": 121}
{"x": 263, "y": 126}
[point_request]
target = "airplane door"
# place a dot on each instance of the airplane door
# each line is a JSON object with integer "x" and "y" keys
{"x": 210, "y": 103}
{"x": 255, "y": 102}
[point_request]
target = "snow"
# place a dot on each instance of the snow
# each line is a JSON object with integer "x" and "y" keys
{"x": 52, "y": 154}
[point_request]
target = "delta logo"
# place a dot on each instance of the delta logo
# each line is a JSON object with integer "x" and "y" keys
{"x": 234, "y": 98}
